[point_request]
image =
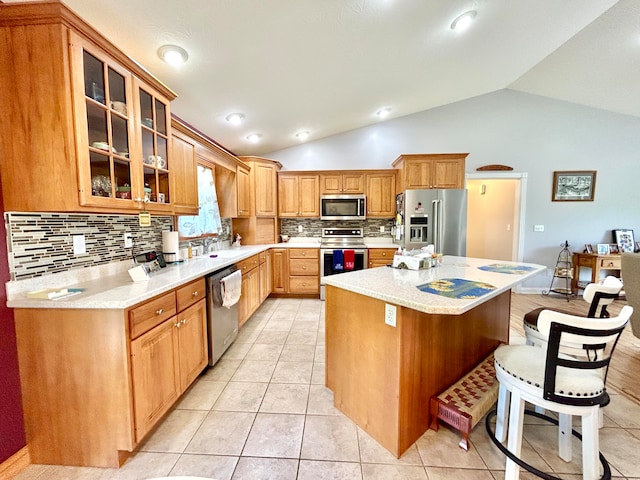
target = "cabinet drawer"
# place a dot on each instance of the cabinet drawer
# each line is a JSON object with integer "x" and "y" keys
{"x": 190, "y": 294}
{"x": 303, "y": 266}
{"x": 248, "y": 264}
{"x": 262, "y": 257}
{"x": 299, "y": 284}
{"x": 381, "y": 253}
{"x": 610, "y": 263}
{"x": 146, "y": 316}
{"x": 304, "y": 253}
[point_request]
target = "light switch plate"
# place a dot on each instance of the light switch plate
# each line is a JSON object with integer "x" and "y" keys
{"x": 390, "y": 314}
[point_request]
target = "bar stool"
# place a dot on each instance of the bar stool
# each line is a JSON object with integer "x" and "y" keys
{"x": 598, "y": 295}
{"x": 567, "y": 384}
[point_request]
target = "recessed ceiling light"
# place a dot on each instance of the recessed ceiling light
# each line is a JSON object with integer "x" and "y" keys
{"x": 463, "y": 21}
{"x": 254, "y": 137}
{"x": 383, "y": 112}
{"x": 235, "y": 118}
{"x": 302, "y": 135}
{"x": 173, "y": 54}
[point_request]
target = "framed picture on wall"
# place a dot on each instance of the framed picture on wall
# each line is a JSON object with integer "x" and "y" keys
{"x": 574, "y": 186}
{"x": 624, "y": 239}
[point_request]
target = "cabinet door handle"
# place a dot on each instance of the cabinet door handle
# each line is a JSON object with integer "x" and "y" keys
{"x": 184, "y": 321}
{"x": 177, "y": 325}
{"x": 195, "y": 294}
{"x": 159, "y": 311}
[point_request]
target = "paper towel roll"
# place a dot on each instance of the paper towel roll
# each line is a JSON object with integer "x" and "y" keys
{"x": 170, "y": 242}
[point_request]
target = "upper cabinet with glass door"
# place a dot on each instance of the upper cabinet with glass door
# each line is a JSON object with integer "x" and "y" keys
{"x": 109, "y": 174}
{"x": 154, "y": 131}
{"x": 79, "y": 118}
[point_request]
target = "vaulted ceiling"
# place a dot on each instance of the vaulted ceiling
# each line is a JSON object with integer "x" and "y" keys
{"x": 327, "y": 66}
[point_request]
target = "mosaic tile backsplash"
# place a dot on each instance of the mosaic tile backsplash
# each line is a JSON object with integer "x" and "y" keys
{"x": 312, "y": 227}
{"x": 42, "y": 243}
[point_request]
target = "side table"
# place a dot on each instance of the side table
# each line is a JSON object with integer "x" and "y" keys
{"x": 596, "y": 263}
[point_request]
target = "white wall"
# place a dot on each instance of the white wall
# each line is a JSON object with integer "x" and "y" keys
{"x": 532, "y": 134}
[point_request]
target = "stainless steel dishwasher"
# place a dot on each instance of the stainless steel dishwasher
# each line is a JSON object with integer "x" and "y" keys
{"x": 223, "y": 321}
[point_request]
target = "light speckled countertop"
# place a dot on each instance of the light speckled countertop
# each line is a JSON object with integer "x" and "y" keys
{"x": 400, "y": 286}
{"x": 110, "y": 287}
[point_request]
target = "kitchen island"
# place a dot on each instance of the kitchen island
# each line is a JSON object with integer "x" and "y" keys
{"x": 390, "y": 346}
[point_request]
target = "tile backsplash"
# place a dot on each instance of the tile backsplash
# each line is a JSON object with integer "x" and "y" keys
{"x": 42, "y": 243}
{"x": 312, "y": 227}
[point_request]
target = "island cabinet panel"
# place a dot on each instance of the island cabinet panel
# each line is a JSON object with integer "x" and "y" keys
{"x": 382, "y": 377}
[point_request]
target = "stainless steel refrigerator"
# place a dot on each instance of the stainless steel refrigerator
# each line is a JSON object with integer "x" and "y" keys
{"x": 437, "y": 217}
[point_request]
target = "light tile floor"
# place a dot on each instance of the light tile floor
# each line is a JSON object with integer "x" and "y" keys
{"x": 263, "y": 413}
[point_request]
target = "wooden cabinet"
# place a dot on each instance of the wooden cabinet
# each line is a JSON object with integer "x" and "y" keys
{"x": 250, "y": 297}
{"x": 167, "y": 359}
{"x": 244, "y": 192}
{"x": 109, "y": 374}
{"x": 596, "y": 263}
{"x": 381, "y": 194}
{"x": 337, "y": 183}
{"x": 184, "y": 166}
{"x": 380, "y": 257}
{"x": 280, "y": 270}
{"x": 298, "y": 195}
{"x": 73, "y": 111}
{"x": 265, "y": 274}
{"x": 444, "y": 170}
{"x": 304, "y": 270}
{"x": 260, "y": 226}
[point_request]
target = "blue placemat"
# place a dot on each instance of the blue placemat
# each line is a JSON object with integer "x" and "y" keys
{"x": 505, "y": 268}
{"x": 457, "y": 288}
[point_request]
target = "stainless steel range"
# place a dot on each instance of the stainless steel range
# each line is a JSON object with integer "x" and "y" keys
{"x": 341, "y": 250}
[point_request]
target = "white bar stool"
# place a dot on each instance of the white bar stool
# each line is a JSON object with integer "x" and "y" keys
{"x": 564, "y": 383}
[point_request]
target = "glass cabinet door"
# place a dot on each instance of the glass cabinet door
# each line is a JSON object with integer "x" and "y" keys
{"x": 155, "y": 147}
{"x": 107, "y": 107}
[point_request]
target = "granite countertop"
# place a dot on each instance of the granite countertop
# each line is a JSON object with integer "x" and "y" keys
{"x": 400, "y": 286}
{"x": 110, "y": 287}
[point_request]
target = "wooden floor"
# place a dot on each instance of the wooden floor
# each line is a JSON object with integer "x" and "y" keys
{"x": 624, "y": 372}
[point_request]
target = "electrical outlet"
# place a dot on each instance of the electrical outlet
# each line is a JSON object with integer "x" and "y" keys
{"x": 538, "y": 228}
{"x": 390, "y": 314}
{"x": 381, "y": 228}
{"x": 300, "y": 229}
{"x": 79, "y": 245}
{"x": 128, "y": 240}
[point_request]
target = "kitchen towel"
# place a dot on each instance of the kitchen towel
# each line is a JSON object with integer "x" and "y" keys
{"x": 338, "y": 260}
{"x": 231, "y": 286}
{"x": 349, "y": 259}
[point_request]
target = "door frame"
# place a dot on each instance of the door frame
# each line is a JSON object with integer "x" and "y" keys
{"x": 500, "y": 175}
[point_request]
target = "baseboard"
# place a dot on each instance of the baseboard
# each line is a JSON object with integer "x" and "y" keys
{"x": 15, "y": 464}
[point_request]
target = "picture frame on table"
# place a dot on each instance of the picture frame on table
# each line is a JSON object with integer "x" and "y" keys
{"x": 613, "y": 248}
{"x": 588, "y": 248}
{"x": 603, "y": 249}
{"x": 637, "y": 246}
{"x": 574, "y": 186}
{"x": 624, "y": 239}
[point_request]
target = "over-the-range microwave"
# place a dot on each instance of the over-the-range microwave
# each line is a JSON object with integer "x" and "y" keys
{"x": 343, "y": 207}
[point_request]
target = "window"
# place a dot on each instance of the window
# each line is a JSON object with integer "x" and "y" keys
{"x": 207, "y": 222}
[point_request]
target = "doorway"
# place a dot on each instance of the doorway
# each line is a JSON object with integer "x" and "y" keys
{"x": 495, "y": 215}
